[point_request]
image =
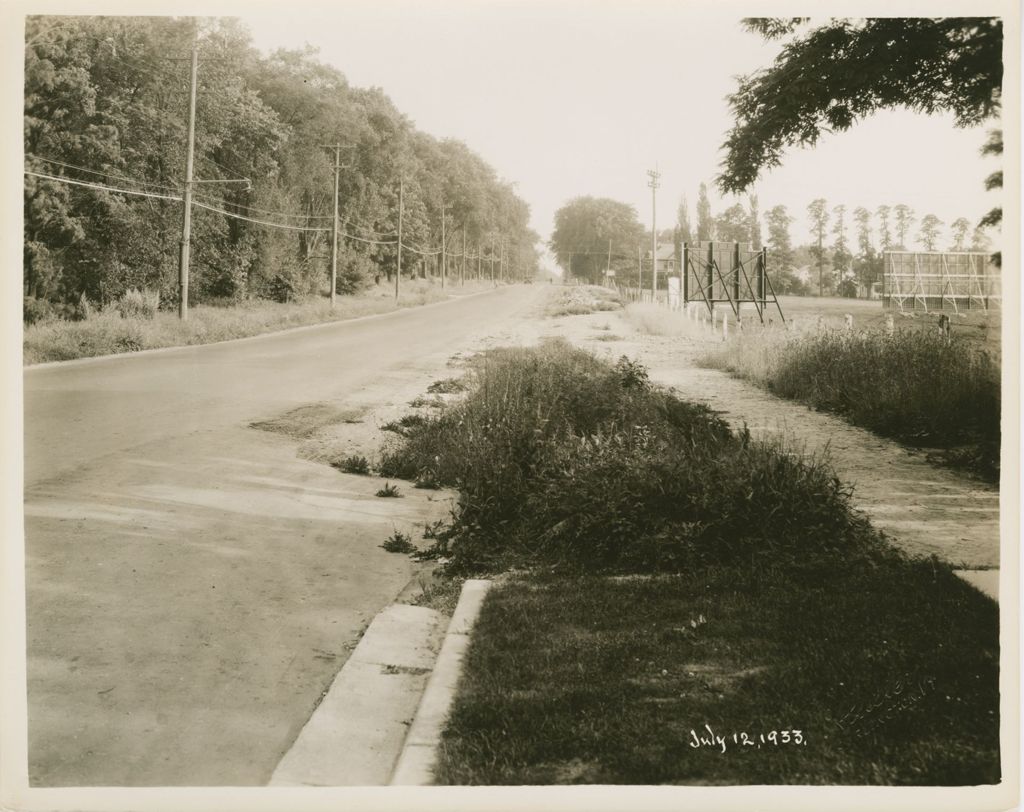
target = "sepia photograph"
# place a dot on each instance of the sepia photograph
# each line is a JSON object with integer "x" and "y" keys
{"x": 511, "y": 404}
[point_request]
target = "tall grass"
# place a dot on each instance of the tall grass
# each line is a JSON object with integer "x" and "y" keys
{"x": 133, "y": 323}
{"x": 564, "y": 459}
{"x": 915, "y": 386}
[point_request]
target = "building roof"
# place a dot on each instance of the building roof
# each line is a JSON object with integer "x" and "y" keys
{"x": 666, "y": 250}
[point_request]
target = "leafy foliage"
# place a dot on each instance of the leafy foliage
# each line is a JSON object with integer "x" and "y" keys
{"x": 103, "y": 106}
{"x": 585, "y": 227}
{"x": 837, "y": 73}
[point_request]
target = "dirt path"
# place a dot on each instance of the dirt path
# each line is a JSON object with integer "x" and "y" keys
{"x": 924, "y": 508}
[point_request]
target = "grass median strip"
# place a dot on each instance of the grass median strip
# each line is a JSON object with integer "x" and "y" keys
{"x": 670, "y": 574}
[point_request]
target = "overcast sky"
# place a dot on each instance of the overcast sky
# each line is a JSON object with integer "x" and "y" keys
{"x": 567, "y": 98}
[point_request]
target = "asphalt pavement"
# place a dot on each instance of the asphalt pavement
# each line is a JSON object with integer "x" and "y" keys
{"x": 192, "y": 585}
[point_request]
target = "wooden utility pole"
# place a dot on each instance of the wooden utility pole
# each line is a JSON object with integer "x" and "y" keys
{"x": 640, "y": 271}
{"x": 444, "y": 257}
{"x": 654, "y": 174}
{"x": 186, "y": 222}
{"x": 401, "y": 211}
{"x": 462, "y": 264}
{"x": 334, "y": 228}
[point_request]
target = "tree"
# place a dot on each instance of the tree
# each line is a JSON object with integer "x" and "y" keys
{"x": 994, "y": 146}
{"x": 904, "y": 219}
{"x": 584, "y": 228}
{"x": 960, "y": 227}
{"x": 754, "y": 227}
{"x": 884, "y": 233}
{"x": 841, "y": 255}
{"x": 683, "y": 221}
{"x": 780, "y": 248}
{"x": 837, "y": 73}
{"x": 868, "y": 265}
{"x": 929, "y": 233}
{"x": 705, "y": 222}
{"x": 733, "y": 225}
{"x": 817, "y": 211}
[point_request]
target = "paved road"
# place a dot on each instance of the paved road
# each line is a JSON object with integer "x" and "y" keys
{"x": 193, "y": 586}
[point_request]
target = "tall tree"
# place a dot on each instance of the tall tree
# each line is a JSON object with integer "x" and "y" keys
{"x": 868, "y": 264}
{"x": 705, "y": 222}
{"x": 929, "y": 233}
{"x": 840, "y": 247}
{"x": 841, "y": 71}
{"x": 904, "y": 220}
{"x": 683, "y": 221}
{"x": 884, "y": 232}
{"x": 960, "y": 227}
{"x": 733, "y": 224}
{"x": 780, "y": 248}
{"x": 817, "y": 211}
{"x": 754, "y": 227}
{"x": 584, "y": 229}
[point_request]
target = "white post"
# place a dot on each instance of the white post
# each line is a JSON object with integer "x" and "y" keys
{"x": 849, "y": 322}
{"x": 725, "y": 325}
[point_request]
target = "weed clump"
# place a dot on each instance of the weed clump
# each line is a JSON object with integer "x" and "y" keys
{"x": 398, "y": 542}
{"x": 389, "y": 491}
{"x": 355, "y": 464}
{"x": 563, "y": 459}
{"x": 447, "y": 386}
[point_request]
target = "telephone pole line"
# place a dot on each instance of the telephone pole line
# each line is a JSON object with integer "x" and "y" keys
{"x": 653, "y": 175}
{"x": 186, "y": 222}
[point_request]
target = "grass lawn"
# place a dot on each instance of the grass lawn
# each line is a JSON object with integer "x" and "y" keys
{"x": 658, "y": 573}
{"x": 613, "y": 681}
{"x": 108, "y": 332}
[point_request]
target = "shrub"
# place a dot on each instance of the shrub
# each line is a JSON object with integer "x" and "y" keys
{"x": 35, "y": 310}
{"x": 138, "y": 304}
{"x": 563, "y": 459}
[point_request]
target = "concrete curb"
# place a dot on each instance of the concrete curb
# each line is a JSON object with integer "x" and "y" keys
{"x": 357, "y": 731}
{"x": 419, "y": 755}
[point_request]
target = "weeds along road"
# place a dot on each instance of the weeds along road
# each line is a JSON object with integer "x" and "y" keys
{"x": 193, "y": 586}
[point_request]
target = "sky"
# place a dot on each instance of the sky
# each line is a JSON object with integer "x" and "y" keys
{"x": 566, "y": 99}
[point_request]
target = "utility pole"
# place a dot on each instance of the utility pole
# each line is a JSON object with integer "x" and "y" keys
{"x": 608, "y": 271}
{"x": 444, "y": 257}
{"x": 334, "y": 227}
{"x": 492, "y": 263}
{"x": 401, "y": 211}
{"x": 462, "y": 264}
{"x": 653, "y": 175}
{"x": 186, "y": 222}
{"x": 639, "y": 271}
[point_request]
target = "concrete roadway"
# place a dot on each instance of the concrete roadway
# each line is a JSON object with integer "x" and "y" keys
{"x": 192, "y": 586}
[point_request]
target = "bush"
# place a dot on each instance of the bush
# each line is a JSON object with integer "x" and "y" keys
{"x": 914, "y": 386}
{"x": 563, "y": 459}
{"x": 355, "y": 464}
{"x": 138, "y": 304}
{"x": 35, "y": 310}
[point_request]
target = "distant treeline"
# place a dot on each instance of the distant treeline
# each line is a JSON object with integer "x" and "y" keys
{"x": 106, "y": 107}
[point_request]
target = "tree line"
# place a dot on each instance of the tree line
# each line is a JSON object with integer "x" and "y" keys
{"x": 843, "y": 252}
{"x": 106, "y": 108}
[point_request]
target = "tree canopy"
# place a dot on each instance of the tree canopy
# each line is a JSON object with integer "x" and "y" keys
{"x": 587, "y": 228}
{"x": 106, "y": 102}
{"x": 835, "y": 74}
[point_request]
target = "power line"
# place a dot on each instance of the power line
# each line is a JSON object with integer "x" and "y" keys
{"x": 61, "y": 179}
{"x": 202, "y": 205}
{"x": 102, "y": 174}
